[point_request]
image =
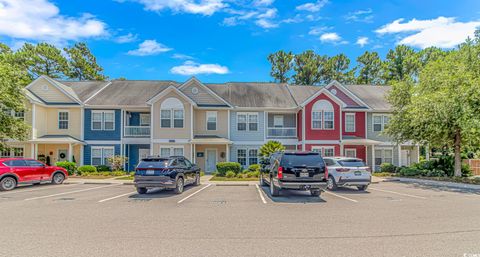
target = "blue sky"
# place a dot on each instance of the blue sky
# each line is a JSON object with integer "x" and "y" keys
{"x": 229, "y": 40}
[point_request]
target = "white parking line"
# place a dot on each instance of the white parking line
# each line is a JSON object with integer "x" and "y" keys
{"x": 118, "y": 196}
{"x": 397, "y": 193}
{"x": 70, "y": 192}
{"x": 194, "y": 193}
{"x": 261, "y": 194}
{"x": 18, "y": 190}
{"x": 340, "y": 196}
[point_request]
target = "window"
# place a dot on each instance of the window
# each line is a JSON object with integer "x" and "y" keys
{"x": 211, "y": 120}
{"x": 33, "y": 163}
{"x": 16, "y": 163}
{"x": 242, "y": 157}
{"x": 101, "y": 154}
{"x": 144, "y": 119}
{"x": 12, "y": 152}
{"x": 350, "y": 122}
{"x": 326, "y": 151}
{"x": 178, "y": 151}
{"x": 383, "y": 156}
{"x": 171, "y": 113}
{"x": 351, "y": 153}
{"x": 19, "y": 115}
{"x": 166, "y": 151}
{"x": 380, "y": 122}
{"x": 247, "y": 121}
{"x": 278, "y": 121}
{"x": 63, "y": 120}
{"x": 252, "y": 156}
{"x": 103, "y": 120}
{"x": 323, "y": 115}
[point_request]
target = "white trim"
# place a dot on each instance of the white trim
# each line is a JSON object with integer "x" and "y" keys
{"x": 347, "y": 92}
{"x": 152, "y": 129}
{"x": 228, "y": 124}
{"x": 322, "y": 149}
{"x": 102, "y": 148}
{"x": 140, "y": 119}
{"x": 191, "y": 122}
{"x": 34, "y": 117}
{"x": 96, "y": 93}
{"x": 103, "y": 121}
{"x": 172, "y": 118}
{"x": 303, "y": 129}
{"x": 382, "y": 124}
{"x": 206, "y": 120}
{"x": 328, "y": 93}
{"x": 193, "y": 79}
{"x": 82, "y": 125}
{"x": 322, "y": 142}
{"x": 168, "y": 140}
{"x": 247, "y": 121}
{"x": 354, "y": 122}
{"x": 54, "y": 83}
{"x": 172, "y": 149}
{"x": 58, "y": 119}
{"x": 350, "y": 149}
{"x": 154, "y": 99}
{"x": 103, "y": 142}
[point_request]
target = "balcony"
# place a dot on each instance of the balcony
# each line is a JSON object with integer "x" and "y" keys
{"x": 136, "y": 131}
{"x": 281, "y": 132}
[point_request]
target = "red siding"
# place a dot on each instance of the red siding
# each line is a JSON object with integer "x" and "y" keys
{"x": 359, "y": 125}
{"x": 361, "y": 151}
{"x": 344, "y": 97}
{"x": 320, "y": 134}
{"x": 308, "y": 147}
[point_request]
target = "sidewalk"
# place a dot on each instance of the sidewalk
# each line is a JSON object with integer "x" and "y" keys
{"x": 432, "y": 183}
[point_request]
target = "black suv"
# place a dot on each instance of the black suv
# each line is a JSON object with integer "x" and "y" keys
{"x": 174, "y": 172}
{"x": 295, "y": 170}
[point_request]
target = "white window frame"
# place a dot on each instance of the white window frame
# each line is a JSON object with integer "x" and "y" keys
{"x": 102, "y": 120}
{"x": 354, "y": 150}
{"x": 172, "y": 149}
{"x": 252, "y": 157}
{"x": 278, "y": 121}
{"x": 247, "y": 121}
{"x": 322, "y": 116}
{"x": 382, "y": 156}
{"x": 67, "y": 120}
{"x": 318, "y": 120}
{"x": 102, "y": 157}
{"x": 322, "y": 150}
{"x": 350, "y": 115}
{"x": 12, "y": 153}
{"x": 172, "y": 117}
{"x": 246, "y": 156}
{"x": 144, "y": 119}
{"x": 383, "y": 122}
{"x": 211, "y": 114}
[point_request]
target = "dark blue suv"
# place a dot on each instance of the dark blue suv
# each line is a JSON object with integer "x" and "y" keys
{"x": 174, "y": 172}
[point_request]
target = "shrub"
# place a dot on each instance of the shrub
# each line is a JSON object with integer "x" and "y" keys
{"x": 117, "y": 161}
{"x": 230, "y": 174}
{"x": 86, "y": 169}
{"x": 435, "y": 173}
{"x": 239, "y": 175}
{"x": 202, "y": 173}
{"x": 388, "y": 167}
{"x": 466, "y": 171}
{"x": 410, "y": 172}
{"x": 224, "y": 167}
{"x": 101, "y": 168}
{"x": 69, "y": 166}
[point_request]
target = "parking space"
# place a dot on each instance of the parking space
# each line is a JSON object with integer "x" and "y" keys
{"x": 238, "y": 217}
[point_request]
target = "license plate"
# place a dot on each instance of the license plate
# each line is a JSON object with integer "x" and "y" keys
{"x": 304, "y": 175}
{"x": 150, "y": 172}
{"x": 358, "y": 173}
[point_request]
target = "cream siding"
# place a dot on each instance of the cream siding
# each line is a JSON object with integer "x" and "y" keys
{"x": 46, "y": 121}
{"x": 202, "y": 96}
{"x": 171, "y": 133}
{"x": 48, "y": 92}
{"x": 200, "y": 126}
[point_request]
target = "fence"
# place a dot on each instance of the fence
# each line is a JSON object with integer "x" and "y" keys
{"x": 474, "y": 166}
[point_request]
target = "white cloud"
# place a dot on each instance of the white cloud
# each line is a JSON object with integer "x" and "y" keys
{"x": 443, "y": 32}
{"x": 263, "y": 2}
{"x": 126, "y": 38}
{"x": 190, "y": 68}
{"x": 264, "y": 17}
{"x": 41, "y": 20}
{"x": 318, "y": 30}
{"x": 330, "y": 37}
{"x": 362, "y": 41}
{"x": 149, "y": 47}
{"x": 182, "y": 57}
{"x": 204, "y": 7}
{"x": 266, "y": 24}
{"x": 360, "y": 16}
{"x": 312, "y": 7}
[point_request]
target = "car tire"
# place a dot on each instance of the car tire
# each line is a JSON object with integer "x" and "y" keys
{"x": 8, "y": 183}
{"x": 142, "y": 190}
{"x": 58, "y": 178}
{"x": 197, "y": 180}
{"x": 362, "y": 188}
{"x": 315, "y": 192}
{"x": 331, "y": 184}
{"x": 262, "y": 181}
{"x": 274, "y": 190}
{"x": 179, "y": 186}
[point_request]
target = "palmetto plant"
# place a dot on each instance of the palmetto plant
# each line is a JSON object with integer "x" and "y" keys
{"x": 270, "y": 147}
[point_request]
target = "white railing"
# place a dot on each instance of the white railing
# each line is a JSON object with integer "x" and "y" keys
{"x": 137, "y": 131}
{"x": 282, "y": 132}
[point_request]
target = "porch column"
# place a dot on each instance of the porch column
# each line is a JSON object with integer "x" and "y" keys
{"x": 81, "y": 154}
{"x": 427, "y": 152}
{"x": 418, "y": 153}
{"x": 35, "y": 151}
{"x": 373, "y": 158}
{"x": 194, "y": 154}
{"x": 227, "y": 152}
{"x": 191, "y": 152}
{"x": 303, "y": 129}
{"x": 70, "y": 152}
{"x": 399, "y": 155}
{"x": 32, "y": 151}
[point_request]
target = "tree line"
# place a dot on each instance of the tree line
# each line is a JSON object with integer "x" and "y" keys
{"x": 310, "y": 68}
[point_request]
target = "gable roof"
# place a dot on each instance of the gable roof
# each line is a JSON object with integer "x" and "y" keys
{"x": 84, "y": 89}
{"x": 255, "y": 95}
{"x": 302, "y": 93}
{"x": 66, "y": 91}
{"x": 374, "y": 96}
{"x": 210, "y": 98}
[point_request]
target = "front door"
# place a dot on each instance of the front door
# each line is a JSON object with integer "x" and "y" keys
{"x": 142, "y": 154}
{"x": 405, "y": 158}
{"x": 62, "y": 155}
{"x": 211, "y": 160}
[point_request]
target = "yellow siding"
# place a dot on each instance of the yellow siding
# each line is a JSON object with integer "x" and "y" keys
{"x": 46, "y": 121}
{"x": 200, "y": 126}
{"x": 48, "y": 92}
{"x": 200, "y": 161}
{"x": 171, "y": 133}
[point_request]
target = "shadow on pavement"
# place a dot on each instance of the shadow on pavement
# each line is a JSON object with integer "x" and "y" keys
{"x": 293, "y": 196}
{"x": 160, "y": 193}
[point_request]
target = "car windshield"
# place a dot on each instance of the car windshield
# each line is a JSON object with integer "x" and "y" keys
{"x": 300, "y": 159}
{"x": 352, "y": 163}
{"x": 154, "y": 163}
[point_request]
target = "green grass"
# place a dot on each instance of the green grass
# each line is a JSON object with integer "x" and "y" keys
{"x": 126, "y": 178}
{"x": 215, "y": 178}
{"x": 383, "y": 174}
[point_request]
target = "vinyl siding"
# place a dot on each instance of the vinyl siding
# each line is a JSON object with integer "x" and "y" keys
{"x": 258, "y": 135}
{"x": 396, "y": 161}
{"x": 203, "y": 96}
{"x": 171, "y": 133}
{"x": 133, "y": 157}
{"x": 46, "y": 121}
{"x": 51, "y": 95}
{"x": 200, "y": 126}
{"x": 374, "y": 135}
{"x": 87, "y": 152}
{"x": 90, "y": 134}
{"x": 234, "y": 153}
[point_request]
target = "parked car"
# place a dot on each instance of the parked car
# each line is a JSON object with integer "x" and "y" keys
{"x": 15, "y": 171}
{"x": 174, "y": 172}
{"x": 345, "y": 171}
{"x": 295, "y": 170}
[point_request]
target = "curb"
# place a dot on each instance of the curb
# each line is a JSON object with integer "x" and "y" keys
{"x": 436, "y": 183}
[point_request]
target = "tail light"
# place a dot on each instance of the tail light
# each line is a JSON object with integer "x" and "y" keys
{"x": 326, "y": 172}
{"x": 280, "y": 173}
{"x": 342, "y": 170}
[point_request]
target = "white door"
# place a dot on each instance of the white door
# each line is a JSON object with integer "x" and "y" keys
{"x": 211, "y": 160}
{"x": 405, "y": 158}
{"x": 62, "y": 155}
{"x": 143, "y": 153}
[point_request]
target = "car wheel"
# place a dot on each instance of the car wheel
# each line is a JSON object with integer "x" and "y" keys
{"x": 142, "y": 190}
{"x": 262, "y": 181}
{"x": 179, "y": 187}
{"x": 274, "y": 191}
{"x": 331, "y": 184}
{"x": 362, "y": 188}
{"x": 197, "y": 180}
{"x": 7, "y": 183}
{"x": 315, "y": 192}
{"x": 58, "y": 178}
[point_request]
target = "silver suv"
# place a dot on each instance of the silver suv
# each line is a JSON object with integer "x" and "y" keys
{"x": 345, "y": 171}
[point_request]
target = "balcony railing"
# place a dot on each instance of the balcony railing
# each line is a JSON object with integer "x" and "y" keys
{"x": 282, "y": 132}
{"x": 137, "y": 131}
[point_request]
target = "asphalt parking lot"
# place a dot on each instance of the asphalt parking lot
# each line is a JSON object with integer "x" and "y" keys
{"x": 390, "y": 219}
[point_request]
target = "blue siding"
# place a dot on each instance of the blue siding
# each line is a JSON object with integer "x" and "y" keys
{"x": 134, "y": 119}
{"x": 90, "y": 134}
{"x": 87, "y": 152}
{"x": 258, "y": 135}
{"x": 133, "y": 158}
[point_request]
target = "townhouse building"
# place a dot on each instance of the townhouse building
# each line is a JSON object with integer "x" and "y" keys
{"x": 88, "y": 121}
